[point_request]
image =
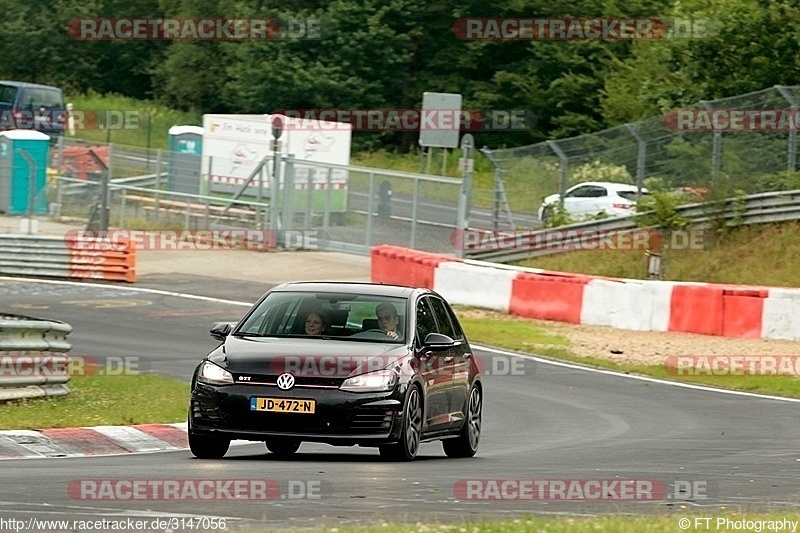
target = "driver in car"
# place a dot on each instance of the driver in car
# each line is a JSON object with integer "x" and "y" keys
{"x": 387, "y": 319}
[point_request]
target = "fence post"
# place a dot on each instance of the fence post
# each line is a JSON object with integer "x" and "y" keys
{"x": 370, "y": 208}
{"x": 640, "y": 156}
{"x": 791, "y": 162}
{"x": 716, "y": 149}
{"x": 562, "y": 186}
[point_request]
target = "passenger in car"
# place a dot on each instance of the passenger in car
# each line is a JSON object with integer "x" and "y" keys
{"x": 316, "y": 323}
{"x": 388, "y": 319}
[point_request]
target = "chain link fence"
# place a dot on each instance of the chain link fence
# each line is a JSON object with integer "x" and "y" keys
{"x": 753, "y": 151}
{"x": 336, "y": 207}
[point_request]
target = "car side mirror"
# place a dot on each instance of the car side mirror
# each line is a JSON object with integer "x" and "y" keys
{"x": 220, "y": 331}
{"x": 437, "y": 342}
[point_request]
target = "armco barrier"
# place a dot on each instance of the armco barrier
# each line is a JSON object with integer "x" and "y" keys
{"x": 642, "y": 305}
{"x": 32, "y": 357}
{"x": 401, "y": 266}
{"x": 68, "y": 257}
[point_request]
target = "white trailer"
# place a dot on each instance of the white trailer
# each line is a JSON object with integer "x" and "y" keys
{"x": 234, "y": 147}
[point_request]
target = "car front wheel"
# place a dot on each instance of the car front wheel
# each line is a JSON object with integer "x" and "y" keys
{"x": 406, "y": 449}
{"x": 208, "y": 446}
{"x": 466, "y": 444}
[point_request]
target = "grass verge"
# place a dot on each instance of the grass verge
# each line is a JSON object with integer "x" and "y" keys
{"x": 738, "y": 256}
{"x": 102, "y": 400}
{"x": 132, "y": 122}
{"x": 523, "y": 335}
{"x": 718, "y": 520}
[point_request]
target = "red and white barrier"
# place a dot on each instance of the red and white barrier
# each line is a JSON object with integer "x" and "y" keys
{"x": 475, "y": 285}
{"x": 706, "y": 308}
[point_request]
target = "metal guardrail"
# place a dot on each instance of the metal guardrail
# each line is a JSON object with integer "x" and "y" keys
{"x": 67, "y": 257}
{"x": 763, "y": 208}
{"x": 33, "y": 363}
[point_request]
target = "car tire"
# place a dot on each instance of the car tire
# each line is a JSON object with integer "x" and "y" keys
{"x": 466, "y": 444}
{"x": 547, "y": 214}
{"x": 283, "y": 447}
{"x": 208, "y": 446}
{"x": 408, "y": 446}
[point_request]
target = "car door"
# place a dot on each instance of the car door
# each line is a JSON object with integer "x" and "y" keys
{"x": 576, "y": 201}
{"x": 597, "y": 200}
{"x": 458, "y": 359}
{"x": 435, "y": 369}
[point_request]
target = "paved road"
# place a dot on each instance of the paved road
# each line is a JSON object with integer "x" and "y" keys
{"x": 544, "y": 421}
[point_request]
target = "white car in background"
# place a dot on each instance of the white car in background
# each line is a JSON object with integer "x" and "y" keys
{"x": 591, "y": 198}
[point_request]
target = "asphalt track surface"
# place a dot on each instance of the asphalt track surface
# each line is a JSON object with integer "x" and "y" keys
{"x": 543, "y": 421}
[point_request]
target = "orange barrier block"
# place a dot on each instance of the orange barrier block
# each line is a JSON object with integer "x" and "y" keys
{"x": 401, "y": 266}
{"x": 547, "y": 297}
{"x": 697, "y": 309}
{"x": 101, "y": 259}
{"x": 743, "y": 308}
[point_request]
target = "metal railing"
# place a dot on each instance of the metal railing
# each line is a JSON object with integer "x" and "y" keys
{"x": 70, "y": 256}
{"x": 780, "y": 206}
{"x": 32, "y": 357}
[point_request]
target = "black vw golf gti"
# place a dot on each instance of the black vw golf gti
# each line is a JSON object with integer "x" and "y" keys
{"x": 344, "y": 364}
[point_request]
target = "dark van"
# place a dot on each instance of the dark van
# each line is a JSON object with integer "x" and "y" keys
{"x": 27, "y": 106}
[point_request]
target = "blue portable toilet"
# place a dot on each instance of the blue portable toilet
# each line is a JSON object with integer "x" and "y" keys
{"x": 23, "y": 172}
{"x": 185, "y": 153}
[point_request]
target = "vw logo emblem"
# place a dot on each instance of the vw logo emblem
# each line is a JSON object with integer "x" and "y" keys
{"x": 285, "y": 381}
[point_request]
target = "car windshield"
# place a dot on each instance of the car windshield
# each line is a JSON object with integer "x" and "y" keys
{"x": 8, "y": 94}
{"x": 349, "y": 316}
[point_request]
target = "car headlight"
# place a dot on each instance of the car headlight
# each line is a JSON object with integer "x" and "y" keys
{"x": 383, "y": 380}
{"x": 215, "y": 375}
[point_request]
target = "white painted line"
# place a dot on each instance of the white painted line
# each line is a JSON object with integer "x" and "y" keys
{"x": 575, "y": 366}
{"x": 133, "y": 439}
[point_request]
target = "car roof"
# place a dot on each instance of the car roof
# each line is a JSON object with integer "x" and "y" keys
{"x": 372, "y": 289}
{"x": 26, "y": 85}
{"x": 611, "y": 185}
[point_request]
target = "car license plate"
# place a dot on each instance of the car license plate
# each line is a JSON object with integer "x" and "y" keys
{"x": 283, "y": 405}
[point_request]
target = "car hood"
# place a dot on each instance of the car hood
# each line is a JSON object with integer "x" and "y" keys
{"x": 266, "y": 355}
{"x": 552, "y": 198}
